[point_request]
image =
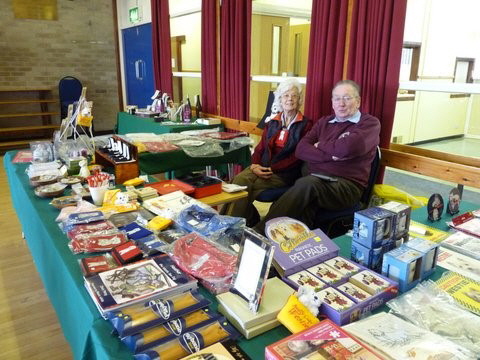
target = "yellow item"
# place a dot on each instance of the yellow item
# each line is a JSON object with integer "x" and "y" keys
{"x": 134, "y": 182}
{"x": 140, "y": 147}
{"x": 110, "y": 197}
{"x": 295, "y": 316}
{"x": 84, "y": 120}
{"x": 385, "y": 193}
{"x": 159, "y": 223}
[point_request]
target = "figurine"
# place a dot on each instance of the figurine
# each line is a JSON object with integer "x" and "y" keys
{"x": 84, "y": 172}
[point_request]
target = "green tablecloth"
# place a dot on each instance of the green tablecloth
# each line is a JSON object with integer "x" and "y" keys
{"x": 88, "y": 334}
{"x": 151, "y": 163}
{"x": 127, "y": 123}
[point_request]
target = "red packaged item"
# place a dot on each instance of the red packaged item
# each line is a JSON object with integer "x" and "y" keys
{"x": 324, "y": 340}
{"x": 168, "y": 186}
{"x": 159, "y": 146}
{"x": 127, "y": 253}
{"x": 96, "y": 264}
{"x": 97, "y": 243}
{"x": 209, "y": 263}
{"x": 91, "y": 228}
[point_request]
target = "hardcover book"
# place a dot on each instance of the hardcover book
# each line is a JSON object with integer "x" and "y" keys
{"x": 464, "y": 290}
{"x": 296, "y": 246}
{"x": 127, "y": 285}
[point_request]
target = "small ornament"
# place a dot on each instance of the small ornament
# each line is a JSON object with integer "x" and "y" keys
{"x": 453, "y": 202}
{"x": 435, "y": 207}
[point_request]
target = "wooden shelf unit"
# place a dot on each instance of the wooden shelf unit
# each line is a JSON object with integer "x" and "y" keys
{"x": 25, "y": 116}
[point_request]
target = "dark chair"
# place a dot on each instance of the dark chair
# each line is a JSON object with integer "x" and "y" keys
{"x": 334, "y": 223}
{"x": 268, "y": 110}
{"x": 69, "y": 91}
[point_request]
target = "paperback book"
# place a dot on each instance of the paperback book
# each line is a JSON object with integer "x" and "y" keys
{"x": 419, "y": 230}
{"x": 464, "y": 290}
{"x": 459, "y": 263}
{"x": 127, "y": 285}
{"x": 463, "y": 243}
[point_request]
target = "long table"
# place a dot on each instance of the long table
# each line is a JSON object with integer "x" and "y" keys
{"x": 88, "y": 334}
{"x": 127, "y": 123}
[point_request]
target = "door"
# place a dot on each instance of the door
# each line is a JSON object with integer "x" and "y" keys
{"x": 138, "y": 59}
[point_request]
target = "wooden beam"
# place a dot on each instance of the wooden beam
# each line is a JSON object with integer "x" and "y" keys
{"x": 459, "y": 159}
{"x": 436, "y": 168}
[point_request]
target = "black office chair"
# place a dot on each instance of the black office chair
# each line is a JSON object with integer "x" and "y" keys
{"x": 268, "y": 110}
{"x": 334, "y": 223}
{"x": 69, "y": 91}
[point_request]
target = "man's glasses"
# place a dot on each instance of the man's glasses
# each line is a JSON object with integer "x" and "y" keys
{"x": 337, "y": 99}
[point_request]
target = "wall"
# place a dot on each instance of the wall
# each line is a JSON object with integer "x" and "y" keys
{"x": 38, "y": 53}
{"x": 445, "y": 33}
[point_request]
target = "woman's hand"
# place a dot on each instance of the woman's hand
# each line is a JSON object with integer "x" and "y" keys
{"x": 261, "y": 171}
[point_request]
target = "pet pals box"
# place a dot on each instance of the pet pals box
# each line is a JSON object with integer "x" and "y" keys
{"x": 373, "y": 227}
{"x": 296, "y": 246}
{"x": 324, "y": 340}
{"x": 403, "y": 265}
{"x": 429, "y": 249}
{"x": 402, "y": 218}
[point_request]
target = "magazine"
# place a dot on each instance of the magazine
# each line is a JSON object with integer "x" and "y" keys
{"x": 463, "y": 243}
{"x": 466, "y": 223}
{"x": 464, "y": 290}
{"x": 462, "y": 264}
{"x": 129, "y": 284}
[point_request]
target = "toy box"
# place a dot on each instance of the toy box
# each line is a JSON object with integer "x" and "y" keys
{"x": 370, "y": 258}
{"x": 373, "y": 227}
{"x": 401, "y": 219}
{"x": 204, "y": 185}
{"x": 429, "y": 249}
{"x": 404, "y": 265}
{"x": 324, "y": 340}
{"x": 357, "y": 293}
{"x": 296, "y": 246}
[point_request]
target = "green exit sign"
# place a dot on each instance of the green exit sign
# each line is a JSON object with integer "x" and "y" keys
{"x": 134, "y": 15}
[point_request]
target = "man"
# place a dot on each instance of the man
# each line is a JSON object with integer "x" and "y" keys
{"x": 338, "y": 152}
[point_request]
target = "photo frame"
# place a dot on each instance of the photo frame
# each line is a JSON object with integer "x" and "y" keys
{"x": 254, "y": 260}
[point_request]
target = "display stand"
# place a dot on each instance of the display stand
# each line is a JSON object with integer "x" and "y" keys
{"x": 123, "y": 170}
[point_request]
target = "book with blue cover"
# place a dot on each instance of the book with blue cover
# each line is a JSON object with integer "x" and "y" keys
{"x": 129, "y": 284}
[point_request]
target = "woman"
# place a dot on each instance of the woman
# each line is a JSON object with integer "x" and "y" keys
{"x": 274, "y": 164}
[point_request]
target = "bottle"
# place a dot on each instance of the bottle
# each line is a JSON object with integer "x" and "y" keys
{"x": 198, "y": 106}
{"x": 187, "y": 111}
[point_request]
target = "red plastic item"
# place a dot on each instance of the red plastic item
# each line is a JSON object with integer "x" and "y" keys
{"x": 204, "y": 185}
{"x": 168, "y": 186}
{"x": 127, "y": 252}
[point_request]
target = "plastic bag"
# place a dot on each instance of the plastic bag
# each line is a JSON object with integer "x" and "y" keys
{"x": 383, "y": 193}
{"x": 212, "y": 264}
{"x": 209, "y": 148}
{"x": 432, "y": 309}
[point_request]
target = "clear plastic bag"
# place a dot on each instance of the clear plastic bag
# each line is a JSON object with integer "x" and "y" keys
{"x": 209, "y": 148}
{"x": 432, "y": 309}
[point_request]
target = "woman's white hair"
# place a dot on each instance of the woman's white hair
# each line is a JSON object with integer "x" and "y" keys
{"x": 283, "y": 87}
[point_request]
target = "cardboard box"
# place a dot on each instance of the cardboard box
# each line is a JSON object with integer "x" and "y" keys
{"x": 403, "y": 265}
{"x": 401, "y": 220}
{"x": 429, "y": 249}
{"x": 370, "y": 258}
{"x": 373, "y": 227}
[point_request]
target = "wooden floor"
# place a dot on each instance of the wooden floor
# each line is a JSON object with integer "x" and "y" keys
{"x": 29, "y": 328}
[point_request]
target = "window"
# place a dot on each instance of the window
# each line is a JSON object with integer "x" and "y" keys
{"x": 185, "y": 33}
{"x": 409, "y": 68}
{"x": 279, "y": 47}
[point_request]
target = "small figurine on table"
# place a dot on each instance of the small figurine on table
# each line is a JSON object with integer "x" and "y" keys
{"x": 435, "y": 207}
{"x": 453, "y": 201}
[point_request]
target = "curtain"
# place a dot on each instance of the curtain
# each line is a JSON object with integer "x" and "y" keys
{"x": 325, "y": 55}
{"x": 209, "y": 56}
{"x": 235, "y": 25}
{"x": 374, "y": 56}
{"x": 161, "y": 47}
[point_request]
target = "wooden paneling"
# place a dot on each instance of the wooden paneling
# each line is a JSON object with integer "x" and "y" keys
{"x": 28, "y": 323}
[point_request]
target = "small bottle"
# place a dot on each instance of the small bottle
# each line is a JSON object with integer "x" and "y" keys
{"x": 187, "y": 111}
{"x": 198, "y": 106}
